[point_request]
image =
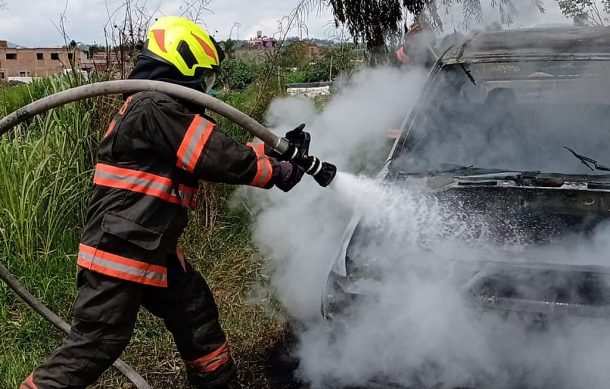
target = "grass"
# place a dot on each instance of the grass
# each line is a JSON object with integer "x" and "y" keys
{"x": 45, "y": 175}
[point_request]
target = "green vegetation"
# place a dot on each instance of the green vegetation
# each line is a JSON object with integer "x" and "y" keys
{"x": 291, "y": 65}
{"x": 237, "y": 75}
{"x": 339, "y": 59}
{"x": 44, "y": 175}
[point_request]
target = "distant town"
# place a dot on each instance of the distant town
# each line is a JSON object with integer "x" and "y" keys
{"x": 24, "y": 64}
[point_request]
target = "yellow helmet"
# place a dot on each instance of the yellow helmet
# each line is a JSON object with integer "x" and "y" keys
{"x": 183, "y": 44}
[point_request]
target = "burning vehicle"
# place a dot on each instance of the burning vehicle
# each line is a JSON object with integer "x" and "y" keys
{"x": 512, "y": 132}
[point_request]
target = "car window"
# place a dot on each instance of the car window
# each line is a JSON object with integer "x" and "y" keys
{"x": 512, "y": 116}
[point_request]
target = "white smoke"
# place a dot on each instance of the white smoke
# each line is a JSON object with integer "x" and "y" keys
{"x": 300, "y": 230}
{"x": 415, "y": 327}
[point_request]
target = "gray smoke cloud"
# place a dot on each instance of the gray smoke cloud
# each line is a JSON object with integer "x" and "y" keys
{"x": 300, "y": 230}
{"x": 521, "y": 124}
{"x": 416, "y": 326}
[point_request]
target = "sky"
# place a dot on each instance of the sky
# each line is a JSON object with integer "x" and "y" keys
{"x": 31, "y": 23}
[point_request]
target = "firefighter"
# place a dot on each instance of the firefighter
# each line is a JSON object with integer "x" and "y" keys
{"x": 149, "y": 162}
{"x": 416, "y": 47}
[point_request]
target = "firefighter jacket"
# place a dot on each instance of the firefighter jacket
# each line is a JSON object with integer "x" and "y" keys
{"x": 149, "y": 163}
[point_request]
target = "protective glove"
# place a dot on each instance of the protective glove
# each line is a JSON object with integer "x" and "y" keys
{"x": 289, "y": 174}
{"x": 299, "y": 145}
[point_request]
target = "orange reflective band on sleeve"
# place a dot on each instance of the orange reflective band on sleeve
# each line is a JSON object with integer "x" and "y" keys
{"x": 264, "y": 169}
{"x": 28, "y": 383}
{"x": 143, "y": 182}
{"x": 260, "y": 149}
{"x": 121, "y": 267}
{"x": 193, "y": 143}
{"x": 213, "y": 360}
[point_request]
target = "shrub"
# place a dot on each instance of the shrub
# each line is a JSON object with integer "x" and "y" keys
{"x": 237, "y": 74}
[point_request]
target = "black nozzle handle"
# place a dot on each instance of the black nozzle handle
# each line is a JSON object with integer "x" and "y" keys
{"x": 322, "y": 172}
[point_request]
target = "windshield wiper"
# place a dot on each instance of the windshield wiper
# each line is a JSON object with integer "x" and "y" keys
{"x": 588, "y": 161}
{"x": 468, "y": 74}
{"x": 462, "y": 169}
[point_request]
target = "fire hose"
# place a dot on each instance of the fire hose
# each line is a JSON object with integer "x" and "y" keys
{"x": 322, "y": 172}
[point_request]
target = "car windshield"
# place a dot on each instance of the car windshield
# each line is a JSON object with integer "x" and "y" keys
{"x": 525, "y": 116}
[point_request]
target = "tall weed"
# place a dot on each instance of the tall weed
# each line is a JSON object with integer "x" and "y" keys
{"x": 45, "y": 168}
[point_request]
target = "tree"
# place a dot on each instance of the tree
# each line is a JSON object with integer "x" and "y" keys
{"x": 343, "y": 58}
{"x": 377, "y": 22}
{"x": 194, "y": 9}
{"x": 293, "y": 55}
{"x": 586, "y": 12}
{"x": 237, "y": 74}
{"x": 229, "y": 47}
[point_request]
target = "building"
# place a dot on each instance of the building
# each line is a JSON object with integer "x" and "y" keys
{"x": 255, "y": 49}
{"x": 26, "y": 63}
{"x": 108, "y": 61}
{"x": 262, "y": 42}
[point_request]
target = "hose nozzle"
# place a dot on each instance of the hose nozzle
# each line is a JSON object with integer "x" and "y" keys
{"x": 322, "y": 172}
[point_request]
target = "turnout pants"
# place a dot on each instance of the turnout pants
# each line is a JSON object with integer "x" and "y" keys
{"x": 105, "y": 313}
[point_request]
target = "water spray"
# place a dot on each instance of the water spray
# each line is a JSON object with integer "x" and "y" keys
{"x": 322, "y": 172}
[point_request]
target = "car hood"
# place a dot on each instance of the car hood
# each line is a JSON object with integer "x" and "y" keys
{"x": 510, "y": 179}
{"x": 584, "y": 199}
{"x": 562, "y": 204}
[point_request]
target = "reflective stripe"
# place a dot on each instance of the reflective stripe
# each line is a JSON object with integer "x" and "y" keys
{"x": 125, "y": 105}
{"x": 402, "y": 56}
{"x": 213, "y": 360}
{"x": 193, "y": 143}
{"x": 28, "y": 383}
{"x": 143, "y": 182}
{"x": 264, "y": 169}
{"x": 121, "y": 112}
{"x": 160, "y": 38}
{"x": 110, "y": 128}
{"x": 259, "y": 148}
{"x": 121, "y": 267}
{"x": 188, "y": 196}
{"x": 180, "y": 255}
{"x": 208, "y": 50}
